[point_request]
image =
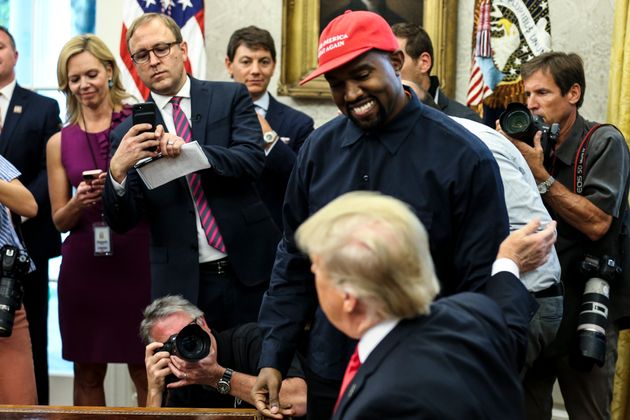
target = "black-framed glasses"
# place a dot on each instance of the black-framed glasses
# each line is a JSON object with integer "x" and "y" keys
{"x": 160, "y": 50}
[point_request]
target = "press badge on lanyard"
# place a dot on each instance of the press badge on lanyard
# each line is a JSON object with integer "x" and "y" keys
{"x": 102, "y": 240}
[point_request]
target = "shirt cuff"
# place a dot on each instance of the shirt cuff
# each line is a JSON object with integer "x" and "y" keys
{"x": 118, "y": 188}
{"x": 505, "y": 264}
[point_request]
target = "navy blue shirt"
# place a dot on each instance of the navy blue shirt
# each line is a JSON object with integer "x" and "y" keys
{"x": 422, "y": 157}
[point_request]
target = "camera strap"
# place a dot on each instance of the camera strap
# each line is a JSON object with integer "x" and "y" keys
{"x": 580, "y": 160}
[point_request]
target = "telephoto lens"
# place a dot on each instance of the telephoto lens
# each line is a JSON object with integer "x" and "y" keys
{"x": 592, "y": 322}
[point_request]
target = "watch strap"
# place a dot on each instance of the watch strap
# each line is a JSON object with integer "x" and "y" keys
{"x": 544, "y": 186}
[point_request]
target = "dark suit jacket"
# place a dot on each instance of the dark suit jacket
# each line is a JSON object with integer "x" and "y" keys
{"x": 456, "y": 363}
{"x": 31, "y": 120}
{"x": 225, "y": 125}
{"x": 289, "y": 124}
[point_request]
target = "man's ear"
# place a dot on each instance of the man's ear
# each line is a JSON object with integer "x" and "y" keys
{"x": 424, "y": 63}
{"x": 397, "y": 58}
{"x": 574, "y": 94}
{"x": 350, "y": 302}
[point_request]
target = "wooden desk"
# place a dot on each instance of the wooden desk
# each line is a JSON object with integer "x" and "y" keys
{"x": 41, "y": 412}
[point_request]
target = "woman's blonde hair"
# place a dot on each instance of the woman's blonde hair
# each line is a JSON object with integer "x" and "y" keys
{"x": 94, "y": 45}
{"x": 374, "y": 247}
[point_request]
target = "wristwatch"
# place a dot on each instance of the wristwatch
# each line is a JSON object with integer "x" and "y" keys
{"x": 224, "y": 383}
{"x": 270, "y": 137}
{"x": 543, "y": 187}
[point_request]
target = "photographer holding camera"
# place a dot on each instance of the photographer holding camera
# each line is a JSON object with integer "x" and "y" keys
{"x": 17, "y": 376}
{"x": 195, "y": 367}
{"x": 583, "y": 179}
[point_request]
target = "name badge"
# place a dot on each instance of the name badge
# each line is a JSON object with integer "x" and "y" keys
{"x": 102, "y": 240}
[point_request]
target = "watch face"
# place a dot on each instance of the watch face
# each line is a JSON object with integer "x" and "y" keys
{"x": 223, "y": 387}
{"x": 269, "y": 137}
{"x": 542, "y": 188}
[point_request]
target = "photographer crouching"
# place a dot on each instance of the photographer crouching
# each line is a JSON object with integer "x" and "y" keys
{"x": 188, "y": 365}
{"x": 582, "y": 169}
{"x": 17, "y": 376}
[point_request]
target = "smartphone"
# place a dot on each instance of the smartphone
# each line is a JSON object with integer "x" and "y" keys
{"x": 91, "y": 175}
{"x": 145, "y": 113}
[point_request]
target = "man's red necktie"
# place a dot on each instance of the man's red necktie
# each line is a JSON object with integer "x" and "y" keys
{"x": 353, "y": 366}
{"x": 209, "y": 224}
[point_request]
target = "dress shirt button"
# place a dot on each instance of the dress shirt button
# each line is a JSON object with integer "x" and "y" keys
{"x": 366, "y": 178}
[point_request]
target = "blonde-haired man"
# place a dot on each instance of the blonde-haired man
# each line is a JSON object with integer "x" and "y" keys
{"x": 451, "y": 359}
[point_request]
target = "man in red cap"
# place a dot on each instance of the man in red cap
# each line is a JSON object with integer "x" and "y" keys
{"x": 386, "y": 141}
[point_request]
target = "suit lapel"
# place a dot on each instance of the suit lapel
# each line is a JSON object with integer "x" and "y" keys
{"x": 17, "y": 106}
{"x": 274, "y": 114}
{"x": 200, "y": 99}
{"x": 374, "y": 360}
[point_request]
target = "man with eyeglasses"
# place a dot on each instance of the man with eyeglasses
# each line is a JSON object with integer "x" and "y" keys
{"x": 224, "y": 378}
{"x": 212, "y": 239}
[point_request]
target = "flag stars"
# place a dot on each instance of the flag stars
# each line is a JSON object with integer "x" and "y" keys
{"x": 185, "y": 4}
{"x": 517, "y": 61}
{"x": 148, "y": 3}
{"x": 524, "y": 48}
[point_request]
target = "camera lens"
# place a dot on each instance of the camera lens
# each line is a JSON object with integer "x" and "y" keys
{"x": 516, "y": 122}
{"x": 192, "y": 343}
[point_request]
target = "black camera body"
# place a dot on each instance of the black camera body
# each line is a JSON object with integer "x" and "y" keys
{"x": 14, "y": 265}
{"x": 593, "y": 318}
{"x": 192, "y": 343}
{"x": 517, "y": 122}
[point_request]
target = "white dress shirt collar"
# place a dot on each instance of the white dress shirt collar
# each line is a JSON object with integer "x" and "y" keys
{"x": 5, "y": 98}
{"x": 374, "y": 336}
{"x": 262, "y": 104}
{"x": 161, "y": 101}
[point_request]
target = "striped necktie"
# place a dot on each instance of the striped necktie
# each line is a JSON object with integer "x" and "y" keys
{"x": 209, "y": 224}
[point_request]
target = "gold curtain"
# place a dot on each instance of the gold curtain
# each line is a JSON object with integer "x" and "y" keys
{"x": 619, "y": 114}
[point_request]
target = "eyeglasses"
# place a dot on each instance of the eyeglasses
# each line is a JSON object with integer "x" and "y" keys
{"x": 160, "y": 50}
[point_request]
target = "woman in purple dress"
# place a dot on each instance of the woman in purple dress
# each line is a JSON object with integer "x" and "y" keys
{"x": 104, "y": 277}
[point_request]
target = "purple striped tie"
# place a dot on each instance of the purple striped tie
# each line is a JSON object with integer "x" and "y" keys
{"x": 210, "y": 227}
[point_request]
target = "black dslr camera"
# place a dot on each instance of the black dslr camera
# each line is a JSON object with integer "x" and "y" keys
{"x": 192, "y": 343}
{"x": 517, "y": 122}
{"x": 14, "y": 265}
{"x": 593, "y": 318}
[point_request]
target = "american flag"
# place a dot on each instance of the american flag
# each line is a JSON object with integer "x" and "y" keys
{"x": 189, "y": 16}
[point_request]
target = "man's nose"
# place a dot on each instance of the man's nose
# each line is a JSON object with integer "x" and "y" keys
{"x": 153, "y": 58}
{"x": 532, "y": 103}
{"x": 255, "y": 67}
{"x": 352, "y": 91}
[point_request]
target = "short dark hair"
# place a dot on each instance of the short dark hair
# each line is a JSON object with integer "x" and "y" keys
{"x": 252, "y": 37}
{"x": 418, "y": 40}
{"x": 11, "y": 39}
{"x": 566, "y": 70}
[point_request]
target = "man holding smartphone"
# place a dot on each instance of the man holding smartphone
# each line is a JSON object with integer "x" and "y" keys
{"x": 213, "y": 240}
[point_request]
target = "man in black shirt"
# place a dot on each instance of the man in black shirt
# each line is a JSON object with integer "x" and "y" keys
{"x": 222, "y": 379}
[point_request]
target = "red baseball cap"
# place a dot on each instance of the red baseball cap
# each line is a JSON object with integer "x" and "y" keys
{"x": 348, "y": 36}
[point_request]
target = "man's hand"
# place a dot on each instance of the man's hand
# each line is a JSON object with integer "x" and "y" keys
{"x": 528, "y": 248}
{"x": 533, "y": 155}
{"x": 134, "y": 147}
{"x": 157, "y": 370}
{"x": 266, "y": 392}
{"x": 204, "y": 372}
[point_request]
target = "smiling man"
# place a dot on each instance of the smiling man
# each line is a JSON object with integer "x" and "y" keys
{"x": 251, "y": 60}
{"x": 385, "y": 140}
